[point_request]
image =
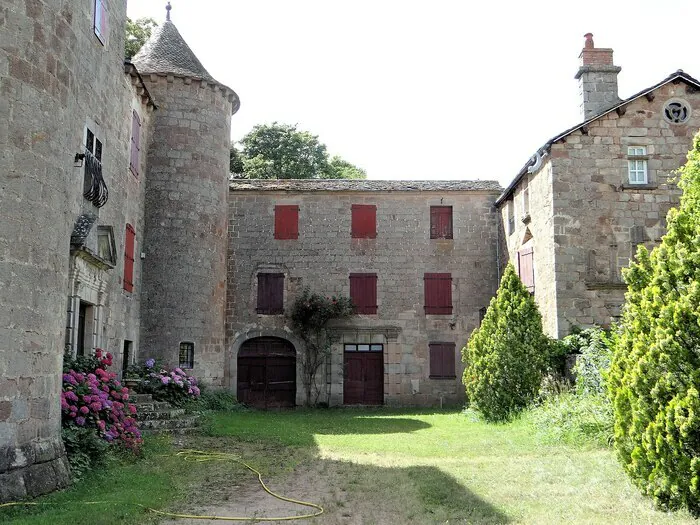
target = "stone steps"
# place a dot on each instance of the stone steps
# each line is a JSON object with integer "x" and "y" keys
{"x": 159, "y": 417}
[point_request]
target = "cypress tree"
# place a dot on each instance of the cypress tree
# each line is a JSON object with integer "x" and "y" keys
{"x": 655, "y": 375}
{"x": 507, "y": 354}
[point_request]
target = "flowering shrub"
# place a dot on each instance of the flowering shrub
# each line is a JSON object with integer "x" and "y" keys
{"x": 96, "y": 401}
{"x": 174, "y": 386}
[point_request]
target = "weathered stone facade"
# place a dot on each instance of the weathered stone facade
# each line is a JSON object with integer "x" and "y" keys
{"x": 324, "y": 255}
{"x": 185, "y": 241}
{"x": 586, "y": 217}
{"x": 200, "y": 244}
{"x": 58, "y": 80}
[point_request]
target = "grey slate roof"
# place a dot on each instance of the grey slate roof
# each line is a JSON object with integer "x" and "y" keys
{"x": 335, "y": 185}
{"x": 677, "y": 76}
{"x": 167, "y": 52}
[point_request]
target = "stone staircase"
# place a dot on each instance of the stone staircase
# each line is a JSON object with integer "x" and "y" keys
{"x": 159, "y": 417}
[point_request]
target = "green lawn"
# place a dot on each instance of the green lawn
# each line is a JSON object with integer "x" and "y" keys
{"x": 366, "y": 466}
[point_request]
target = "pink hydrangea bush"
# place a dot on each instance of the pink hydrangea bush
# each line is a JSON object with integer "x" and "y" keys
{"x": 97, "y": 402}
{"x": 174, "y": 386}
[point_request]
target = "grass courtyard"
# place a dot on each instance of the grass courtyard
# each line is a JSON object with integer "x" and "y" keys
{"x": 363, "y": 466}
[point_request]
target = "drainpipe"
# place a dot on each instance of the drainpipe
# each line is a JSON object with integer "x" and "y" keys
{"x": 498, "y": 247}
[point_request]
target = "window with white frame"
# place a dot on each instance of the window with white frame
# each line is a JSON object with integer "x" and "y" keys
{"x": 637, "y": 165}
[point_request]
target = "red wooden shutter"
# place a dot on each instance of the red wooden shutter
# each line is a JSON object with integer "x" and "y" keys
{"x": 286, "y": 221}
{"x": 129, "y": 258}
{"x": 135, "y": 143}
{"x": 442, "y": 360}
{"x": 364, "y": 221}
{"x": 441, "y": 222}
{"x": 438, "y": 293}
{"x": 363, "y": 292}
{"x": 270, "y": 293}
{"x": 526, "y": 269}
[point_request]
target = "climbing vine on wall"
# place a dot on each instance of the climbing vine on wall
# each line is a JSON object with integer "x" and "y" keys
{"x": 309, "y": 317}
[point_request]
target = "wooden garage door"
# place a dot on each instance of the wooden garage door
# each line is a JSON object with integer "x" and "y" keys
{"x": 267, "y": 373}
{"x": 364, "y": 374}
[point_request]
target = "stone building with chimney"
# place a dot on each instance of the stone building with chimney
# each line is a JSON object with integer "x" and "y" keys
{"x": 575, "y": 213}
{"x": 120, "y": 230}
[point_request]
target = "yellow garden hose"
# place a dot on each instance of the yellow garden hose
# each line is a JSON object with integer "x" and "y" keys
{"x": 200, "y": 456}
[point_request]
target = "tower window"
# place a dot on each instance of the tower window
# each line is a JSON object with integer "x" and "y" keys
{"x": 186, "y": 354}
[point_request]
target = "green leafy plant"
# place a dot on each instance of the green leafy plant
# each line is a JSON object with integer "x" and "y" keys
{"x": 654, "y": 379}
{"x": 506, "y": 356}
{"x": 594, "y": 347}
{"x": 309, "y": 318}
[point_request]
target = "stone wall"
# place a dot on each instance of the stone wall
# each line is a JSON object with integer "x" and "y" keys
{"x": 56, "y": 78}
{"x": 325, "y": 254}
{"x": 598, "y": 217}
{"x": 532, "y": 228}
{"x": 185, "y": 238}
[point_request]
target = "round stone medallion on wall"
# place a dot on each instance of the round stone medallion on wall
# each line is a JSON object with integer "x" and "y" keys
{"x": 677, "y": 111}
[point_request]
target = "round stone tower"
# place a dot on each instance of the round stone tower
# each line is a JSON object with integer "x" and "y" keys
{"x": 185, "y": 238}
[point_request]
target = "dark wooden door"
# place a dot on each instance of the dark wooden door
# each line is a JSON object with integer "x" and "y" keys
{"x": 267, "y": 373}
{"x": 364, "y": 378}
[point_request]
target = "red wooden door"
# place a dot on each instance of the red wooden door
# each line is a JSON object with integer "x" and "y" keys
{"x": 267, "y": 373}
{"x": 364, "y": 378}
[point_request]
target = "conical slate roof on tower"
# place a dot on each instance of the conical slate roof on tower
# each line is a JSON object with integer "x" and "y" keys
{"x": 167, "y": 52}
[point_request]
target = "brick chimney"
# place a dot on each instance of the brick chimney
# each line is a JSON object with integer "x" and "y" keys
{"x": 597, "y": 79}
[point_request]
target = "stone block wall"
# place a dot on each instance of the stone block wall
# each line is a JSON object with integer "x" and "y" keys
{"x": 325, "y": 254}
{"x": 599, "y": 218}
{"x": 185, "y": 237}
{"x": 55, "y": 78}
{"x": 531, "y": 226}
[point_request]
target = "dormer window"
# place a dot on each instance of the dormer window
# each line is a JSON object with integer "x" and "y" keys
{"x": 637, "y": 165}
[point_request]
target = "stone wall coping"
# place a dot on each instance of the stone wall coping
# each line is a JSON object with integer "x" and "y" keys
{"x": 338, "y": 185}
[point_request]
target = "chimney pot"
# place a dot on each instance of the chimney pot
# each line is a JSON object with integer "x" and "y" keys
{"x": 589, "y": 41}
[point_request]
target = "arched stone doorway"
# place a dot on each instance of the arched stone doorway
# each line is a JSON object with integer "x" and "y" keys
{"x": 267, "y": 373}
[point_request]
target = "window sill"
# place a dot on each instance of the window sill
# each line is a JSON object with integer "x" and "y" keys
{"x": 648, "y": 186}
{"x": 441, "y": 312}
{"x": 443, "y": 377}
{"x": 269, "y": 313}
{"x": 441, "y": 238}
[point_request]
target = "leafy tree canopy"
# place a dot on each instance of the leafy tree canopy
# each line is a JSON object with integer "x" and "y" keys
{"x": 281, "y": 151}
{"x": 654, "y": 379}
{"x": 137, "y": 32}
{"x": 507, "y": 354}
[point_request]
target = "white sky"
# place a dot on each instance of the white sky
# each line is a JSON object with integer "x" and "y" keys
{"x": 418, "y": 89}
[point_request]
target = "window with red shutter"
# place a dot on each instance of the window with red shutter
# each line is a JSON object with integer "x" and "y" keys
{"x": 363, "y": 292}
{"x": 286, "y": 221}
{"x": 526, "y": 269}
{"x": 442, "y": 360}
{"x": 441, "y": 222}
{"x": 364, "y": 221}
{"x": 100, "y": 25}
{"x": 129, "y": 242}
{"x": 135, "y": 143}
{"x": 438, "y": 293}
{"x": 270, "y": 293}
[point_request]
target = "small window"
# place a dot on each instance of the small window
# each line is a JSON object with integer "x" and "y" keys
{"x": 364, "y": 221}
{"x": 186, "y": 354}
{"x": 363, "y": 292}
{"x": 100, "y": 24}
{"x": 126, "y": 355}
{"x": 526, "y": 269}
{"x": 438, "y": 293}
{"x": 270, "y": 293}
{"x": 511, "y": 216}
{"x": 129, "y": 243}
{"x": 286, "y": 221}
{"x": 442, "y": 360}
{"x": 135, "y": 144}
{"x": 526, "y": 201}
{"x": 106, "y": 249}
{"x": 441, "y": 222}
{"x": 637, "y": 165}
